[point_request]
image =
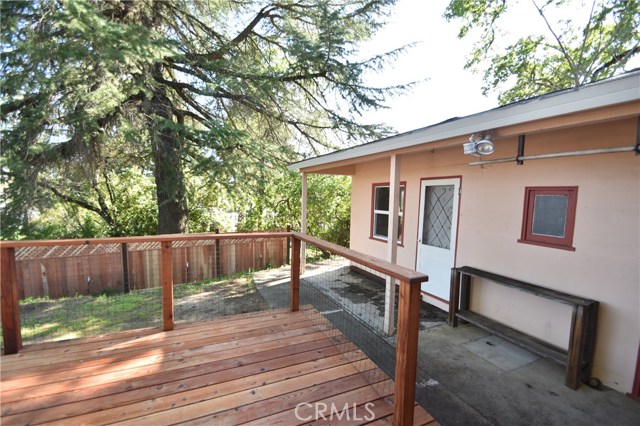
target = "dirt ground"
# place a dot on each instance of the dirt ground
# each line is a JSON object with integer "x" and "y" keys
{"x": 235, "y": 296}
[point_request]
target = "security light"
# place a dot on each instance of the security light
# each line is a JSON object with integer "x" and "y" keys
{"x": 484, "y": 146}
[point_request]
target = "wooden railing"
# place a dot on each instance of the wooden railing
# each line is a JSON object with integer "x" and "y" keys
{"x": 9, "y": 278}
{"x": 408, "y": 316}
{"x": 408, "y": 307}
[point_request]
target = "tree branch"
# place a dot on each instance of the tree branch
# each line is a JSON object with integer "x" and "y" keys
{"x": 218, "y": 54}
{"x": 586, "y": 34}
{"x": 614, "y": 60}
{"x": 180, "y": 86}
{"x": 82, "y": 203}
{"x": 574, "y": 69}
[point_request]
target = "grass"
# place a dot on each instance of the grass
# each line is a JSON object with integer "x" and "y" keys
{"x": 44, "y": 319}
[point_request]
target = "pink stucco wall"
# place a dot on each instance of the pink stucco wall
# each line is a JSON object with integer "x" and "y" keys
{"x": 605, "y": 265}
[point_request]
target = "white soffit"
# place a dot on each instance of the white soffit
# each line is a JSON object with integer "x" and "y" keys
{"x": 614, "y": 91}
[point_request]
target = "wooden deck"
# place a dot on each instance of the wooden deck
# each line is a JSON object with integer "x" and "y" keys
{"x": 245, "y": 369}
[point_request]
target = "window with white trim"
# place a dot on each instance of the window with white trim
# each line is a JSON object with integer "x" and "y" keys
{"x": 380, "y": 214}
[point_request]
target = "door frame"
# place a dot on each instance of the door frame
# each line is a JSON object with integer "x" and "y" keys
{"x": 455, "y": 252}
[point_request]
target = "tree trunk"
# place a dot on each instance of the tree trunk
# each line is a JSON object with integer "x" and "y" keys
{"x": 166, "y": 147}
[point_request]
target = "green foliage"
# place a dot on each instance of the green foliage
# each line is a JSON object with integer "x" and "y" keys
{"x": 58, "y": 222}
{"x": 570, "y": 53}
{"x": 134, "y": 209}
{"x": 279, "y": 205}
{"x": 111, "y": 106}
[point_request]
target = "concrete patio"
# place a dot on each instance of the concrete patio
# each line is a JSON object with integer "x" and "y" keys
{"x": 465, "y": 375}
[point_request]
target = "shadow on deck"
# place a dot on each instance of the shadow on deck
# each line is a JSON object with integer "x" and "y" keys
{"x": 261, "y": 368}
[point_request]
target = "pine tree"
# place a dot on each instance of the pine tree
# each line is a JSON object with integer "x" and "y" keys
{"x": 212, "y": 88}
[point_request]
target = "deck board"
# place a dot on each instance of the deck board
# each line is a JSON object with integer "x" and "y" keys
{"x": 244, "y": 369}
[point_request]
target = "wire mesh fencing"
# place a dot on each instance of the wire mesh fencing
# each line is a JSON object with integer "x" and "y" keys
{"x": 68, "y": 292}
{"x": 349, "y": 305}
{"x": 230, "y": 289}
{"x": 73, "y": 291}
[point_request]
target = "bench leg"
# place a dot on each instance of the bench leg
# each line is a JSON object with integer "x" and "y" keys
{"x": 465, "y": 294}
{"x": 576, "y": 346}
{"x": 454, "y": 297}
{"x": 589, "y": 342}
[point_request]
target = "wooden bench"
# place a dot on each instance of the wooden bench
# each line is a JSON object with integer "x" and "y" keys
{"x": 577, "y": 359}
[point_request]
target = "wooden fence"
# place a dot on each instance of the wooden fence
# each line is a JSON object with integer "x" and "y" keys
{"x": 62, "y": 271}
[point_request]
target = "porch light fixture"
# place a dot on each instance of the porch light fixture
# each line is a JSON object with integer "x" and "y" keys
{"x": 478, "y": 147}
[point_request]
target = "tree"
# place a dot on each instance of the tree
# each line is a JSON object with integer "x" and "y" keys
{"x": 279, "y": 206}
{"x": 213, "y": 89}
{"x": 569, "y": 54}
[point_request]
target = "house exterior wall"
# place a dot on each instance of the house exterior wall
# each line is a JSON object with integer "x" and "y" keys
{"x": 605, "y": 265}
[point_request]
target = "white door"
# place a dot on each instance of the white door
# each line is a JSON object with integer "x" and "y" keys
{"x": 437, "y": 233}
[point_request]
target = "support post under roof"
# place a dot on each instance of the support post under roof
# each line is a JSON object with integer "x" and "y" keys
{"x": 303, "y": 224}
{"x": 392, "y": 241}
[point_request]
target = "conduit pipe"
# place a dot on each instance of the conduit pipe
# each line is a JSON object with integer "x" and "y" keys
{"x": 556, "y": 155}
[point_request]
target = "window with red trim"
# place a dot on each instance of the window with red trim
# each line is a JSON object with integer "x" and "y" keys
{"x": 380, "y": 212}
{"x": 549, "y": 216}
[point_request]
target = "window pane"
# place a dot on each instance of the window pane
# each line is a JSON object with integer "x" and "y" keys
{"x": 401, "y": 199}
{"x": 381, "y": 224}
{"x": 550, "y": 215}
{"x": 382, "y": 198}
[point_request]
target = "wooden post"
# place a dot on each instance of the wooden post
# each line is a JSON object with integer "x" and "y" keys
{"x": 303, "y": 222}
{"x": 294, "y": 295}
{"x": 218, "y": 268}
{"x": 9, "y": 301}
{"x": 407, "y": 352}
{"x": 454, "y": 297}
{"x": 465, "y": 294}
{"x": 576, "y": 342}
{"x": 125, "y": 267}
{"x": 589, "y": 343}
{"x": 392, "y": 243}
{"x": 288, "y": 255}
{"x": 167, "y": 286}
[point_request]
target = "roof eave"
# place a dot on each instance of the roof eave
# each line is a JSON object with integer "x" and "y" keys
{"x": 598, "y": 95}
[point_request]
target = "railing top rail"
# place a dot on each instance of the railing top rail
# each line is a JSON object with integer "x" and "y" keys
{"x": 144, "y": 239}
{"x": 386, "y": 267}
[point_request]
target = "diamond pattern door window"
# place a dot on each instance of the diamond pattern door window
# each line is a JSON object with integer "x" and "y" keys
{"x": 438, "y": 207}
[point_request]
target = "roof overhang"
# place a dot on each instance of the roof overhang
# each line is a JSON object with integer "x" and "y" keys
{"x": 606, "y": 93}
